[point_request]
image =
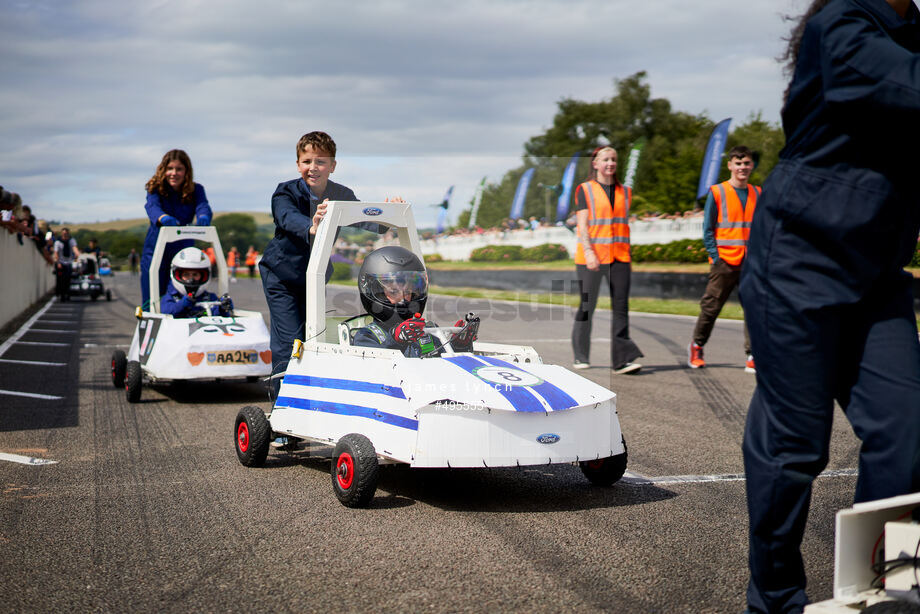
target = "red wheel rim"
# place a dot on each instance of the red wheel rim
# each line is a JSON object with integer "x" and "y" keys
{"x": 345, "y": 470}
{"x": 242, "y": 436}
{"x": 113, "y": 367}
{"x": 596, "y": 464}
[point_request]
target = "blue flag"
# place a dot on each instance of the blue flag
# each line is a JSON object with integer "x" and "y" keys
{"x": 442, "y": 214}
{"x": 517, "y": 205}
{"x": 712, "y": 161}
{"x": 568, "y": 178}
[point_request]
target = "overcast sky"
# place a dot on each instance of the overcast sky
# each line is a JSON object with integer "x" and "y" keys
{"x": 418, "y": 95}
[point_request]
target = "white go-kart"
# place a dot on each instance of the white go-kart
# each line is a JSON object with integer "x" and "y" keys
{"x": 167, "y": 349}
{"x": 497, "y": 406}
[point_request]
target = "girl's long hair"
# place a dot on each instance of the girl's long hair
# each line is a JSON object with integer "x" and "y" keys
{"x": 158, "y": 182}
{"x": 794, "y": 41}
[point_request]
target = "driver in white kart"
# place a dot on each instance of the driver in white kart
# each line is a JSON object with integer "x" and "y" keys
{"x": 189, "y": 274}
{"x": 393, "y": 284}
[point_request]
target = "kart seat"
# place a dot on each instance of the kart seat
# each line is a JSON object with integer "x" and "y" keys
{"x": 348, "y": 327}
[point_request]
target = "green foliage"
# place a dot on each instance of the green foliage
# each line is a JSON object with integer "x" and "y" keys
{"x": 341, "y": 271}
{"x": 237, "y": 230}
{"x": 685, "y": 250}
{"x": 669, "y": 167}
{"x": 544, "y": 253}
{"x": 434, "y": 258}
{"x": 116, "y": 244}
{"x": 915, "y": 261}
{"x": 497, "y": 253}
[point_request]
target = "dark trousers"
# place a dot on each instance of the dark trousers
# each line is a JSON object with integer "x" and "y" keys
{"x": 287, "y": 312}
{"x": 62, "y": 274}
{"x": 622, "y": 348}
{"x": 723, "y": 278}
{"x": 814, "y": 347}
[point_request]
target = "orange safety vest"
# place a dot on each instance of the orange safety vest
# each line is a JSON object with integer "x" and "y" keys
{"x": 733, "y": 226}
{"x": 608, "y": 227}
{"x": 251, "y": 257}
{"x": 231, "y": 259}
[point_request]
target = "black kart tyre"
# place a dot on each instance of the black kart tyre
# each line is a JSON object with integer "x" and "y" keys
{"x": 108, "y": 295}
{"x": 354, "y": 470}
{"x": 605, "y": 471}
{"x": 133, "y": 381}
{"x": 119, "y": 368}
{"x": 252, "y": 432}
{"x": 93, "y": 297}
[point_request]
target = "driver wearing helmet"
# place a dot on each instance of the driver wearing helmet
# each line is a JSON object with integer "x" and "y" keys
{"x": 188, "y": 275}
{"x": 393, "y": 285}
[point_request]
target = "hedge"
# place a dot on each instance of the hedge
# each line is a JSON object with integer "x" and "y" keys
{"x": 685, "y": 250}
{"x": 514, "y": 253}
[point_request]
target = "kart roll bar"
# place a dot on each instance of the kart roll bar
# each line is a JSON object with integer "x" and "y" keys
{"x": 171, "y": 234}
{"x": 396, "y": 216}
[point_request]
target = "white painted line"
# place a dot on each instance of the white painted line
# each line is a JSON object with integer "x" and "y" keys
{"x": 52, "y": 330}
{"x": 37, "y": 363}
{"x": 26, "y": 460}
{"x": 56, "y": 322}
{"x": 636, "y": 479}
{"x": 53, "y": 343}
{"x": 24, "y": 328}
{"x": 31, "y": 395}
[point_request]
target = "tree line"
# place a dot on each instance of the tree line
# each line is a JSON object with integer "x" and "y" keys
{"x": 669, "y": 169}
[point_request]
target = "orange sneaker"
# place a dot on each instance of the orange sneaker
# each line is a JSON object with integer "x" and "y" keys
{"x": 695, "y": 356}
{"x": 749, "y": 365}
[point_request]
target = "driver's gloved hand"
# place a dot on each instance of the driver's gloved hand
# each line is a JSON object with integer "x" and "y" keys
{"x": 410, "y": 330}
{"x": 463, "y": 340}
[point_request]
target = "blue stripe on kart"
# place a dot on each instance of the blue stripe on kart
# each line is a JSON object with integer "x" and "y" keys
{"x": 519, "y": 397}
{"x": 555, "y": 396}
{"x": 344, "y": 384}
{"x": 344, "y": 409}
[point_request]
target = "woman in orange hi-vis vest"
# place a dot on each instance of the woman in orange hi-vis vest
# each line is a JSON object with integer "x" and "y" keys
{"x": 602, "y": 215}
{"x": 233, "y": 261}
{"x": 251, "y": 256}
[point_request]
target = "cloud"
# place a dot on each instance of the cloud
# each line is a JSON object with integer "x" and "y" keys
{"x": 95, "y": 91}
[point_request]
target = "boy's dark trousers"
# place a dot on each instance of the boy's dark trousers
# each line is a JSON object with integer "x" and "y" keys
{"x": 723, "y": 278}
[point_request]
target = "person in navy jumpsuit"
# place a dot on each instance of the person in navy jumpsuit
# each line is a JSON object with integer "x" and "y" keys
{"x": 830, "y": 306}
{"x": 173, "y": 199}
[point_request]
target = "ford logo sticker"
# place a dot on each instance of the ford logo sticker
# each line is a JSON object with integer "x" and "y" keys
{"x": 372, "y": 211}
{"x": 548, "y": 438}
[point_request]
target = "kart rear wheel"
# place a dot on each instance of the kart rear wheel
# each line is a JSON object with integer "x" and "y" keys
{"x": 252, "y": 432}
{"x": 133, "y": 381}
{"x": 93, "y": 297}
{"x": 108, "y": 295}
{"x": 354, "y": 471}
{"x": 119, "y": 367}
{"x": 605, "y": 471}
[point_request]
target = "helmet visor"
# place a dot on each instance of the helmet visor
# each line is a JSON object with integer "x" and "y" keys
{"x": 397, "y": 287}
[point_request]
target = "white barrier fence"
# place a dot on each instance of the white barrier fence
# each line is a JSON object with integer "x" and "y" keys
{"x": 459, "y": 247}
{"x": 24, "y": 276}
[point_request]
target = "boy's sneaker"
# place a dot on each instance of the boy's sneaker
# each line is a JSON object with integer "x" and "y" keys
{"x": 630, "y": 367}
{"x": 749, "y": 365}
{"x": 284, "y": 444}
{"x": 695, "y": 356}
{"x": 580, "y": 365}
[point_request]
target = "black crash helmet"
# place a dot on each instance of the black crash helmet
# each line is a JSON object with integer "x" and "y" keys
{"x": 393, "y": 284}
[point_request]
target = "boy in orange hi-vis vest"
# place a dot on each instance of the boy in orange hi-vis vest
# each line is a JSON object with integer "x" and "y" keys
{"x": 602, "y": 215}
{"x": 726, "y": 225}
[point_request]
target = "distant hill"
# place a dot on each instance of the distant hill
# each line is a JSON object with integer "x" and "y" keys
{"x": 261, "y": 218}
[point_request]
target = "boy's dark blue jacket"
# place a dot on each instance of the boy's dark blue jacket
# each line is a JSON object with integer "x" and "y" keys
{"x": 293, "y": 207}
{"x": 172, "y": 301}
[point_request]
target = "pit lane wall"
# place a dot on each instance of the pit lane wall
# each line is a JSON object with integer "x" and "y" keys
{"x": 25, "y": 277}
{"x": 459, "y": 247}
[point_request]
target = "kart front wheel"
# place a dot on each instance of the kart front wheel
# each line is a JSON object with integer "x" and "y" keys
{"x": 605, "y": 471}
{"x": 108, "y": 295}
{"x": 119, "y": 367}
{"x": 133, "y": 381}
{"x": 252, "y": 432}
{"x": 354, "y": 470}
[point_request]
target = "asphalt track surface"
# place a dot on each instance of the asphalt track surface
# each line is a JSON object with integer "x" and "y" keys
{"x": 146, "y": 508}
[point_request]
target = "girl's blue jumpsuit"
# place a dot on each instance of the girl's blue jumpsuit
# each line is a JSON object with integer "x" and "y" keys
{"x": 198, "y": 210}
{"x": 829, "y": 305}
